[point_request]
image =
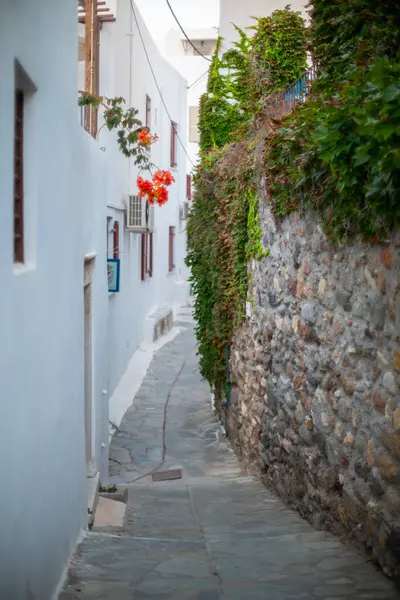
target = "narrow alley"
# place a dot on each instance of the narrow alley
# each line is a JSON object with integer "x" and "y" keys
{"x": 215, "y": 533}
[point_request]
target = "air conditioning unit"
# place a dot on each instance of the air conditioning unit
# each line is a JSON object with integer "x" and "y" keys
{"x": 184, "y": 211}
{"x": 139, "y": 215}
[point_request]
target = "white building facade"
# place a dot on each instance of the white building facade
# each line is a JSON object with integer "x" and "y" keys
{"x": 66, "y": 341}
{"x": 194, "y": 68}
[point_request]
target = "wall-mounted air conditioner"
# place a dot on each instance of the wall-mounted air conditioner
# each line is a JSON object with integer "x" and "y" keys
{"x": 139, "y": 215}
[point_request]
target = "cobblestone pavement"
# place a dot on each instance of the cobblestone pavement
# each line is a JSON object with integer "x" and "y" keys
{"x": 215, "y": 534}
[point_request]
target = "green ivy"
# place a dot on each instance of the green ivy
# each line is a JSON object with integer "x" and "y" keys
{"x": 223, "y": 227}
{"x": 339, "y": 153}
{"x": 254, "y": 247}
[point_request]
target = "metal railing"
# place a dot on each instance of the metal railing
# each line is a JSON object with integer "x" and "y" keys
{"x": 299, "y": 90}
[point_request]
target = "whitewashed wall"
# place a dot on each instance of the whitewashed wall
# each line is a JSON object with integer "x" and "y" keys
{"x": 43, "y": 502}
{"x": 125, "y": 72}
{"x": 192, "y": 68}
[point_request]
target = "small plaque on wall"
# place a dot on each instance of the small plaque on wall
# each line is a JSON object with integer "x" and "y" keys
{"x": 113, "y": 274}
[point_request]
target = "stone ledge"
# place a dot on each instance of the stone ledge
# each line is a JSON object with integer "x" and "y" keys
{"x": 159, "y": 323}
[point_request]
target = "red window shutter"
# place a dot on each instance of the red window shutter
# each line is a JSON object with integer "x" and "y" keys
{"x": 144, "y": 259}
{"x": 107, "y": 238}
{"x": 116, "y": 240}
{"x": 18, "y": 177}
{"x": 188, "y": 187}
{"x": 151, "y": 254}
{"x": 171, "y": 261}
{"x": 173, "y": 144}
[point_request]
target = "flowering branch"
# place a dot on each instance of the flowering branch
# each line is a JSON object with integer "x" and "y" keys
{"x": 156, "y": 190}
{"x": 134, "y": 140}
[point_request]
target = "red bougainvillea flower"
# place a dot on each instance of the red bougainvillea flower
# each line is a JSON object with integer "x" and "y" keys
{"x": 163, "y": 177}
{"x": 144, "y": 186}
{"x": 161, "y": 194}
{"x": 151, "y": 197}
{"x": 146, "y": 139}
{"x": 155, "y": 191}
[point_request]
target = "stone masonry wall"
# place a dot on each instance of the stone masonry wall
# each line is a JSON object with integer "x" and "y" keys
{"x": 315, "y": 404}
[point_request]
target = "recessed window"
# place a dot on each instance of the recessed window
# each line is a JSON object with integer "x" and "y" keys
{"x": 147, "y": 255}
{"x": 171, "y": 250}
{"x": 110, "y": 238}
{"x": 25, "y": 168}
{"x": 148, "y": 112}
{"x": 194, "y": 134}
{"x": 19, "y": 176}
{"x": 174, "y": 129}
{"x": 205, "y": 47}
{"x": 116, "y": 240}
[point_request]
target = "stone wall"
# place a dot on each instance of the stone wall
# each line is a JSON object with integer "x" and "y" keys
{"x": 315, "y": 404}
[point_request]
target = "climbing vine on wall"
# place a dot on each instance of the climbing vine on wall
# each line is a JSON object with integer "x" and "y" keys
{"x": 339, "y": 153}
{"x": 223, "y": 227}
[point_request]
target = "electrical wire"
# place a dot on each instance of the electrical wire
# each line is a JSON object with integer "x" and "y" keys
{"x": 197, "y": 80}
{"x": 184, "y": 33}
{"x": 157, "y": 84}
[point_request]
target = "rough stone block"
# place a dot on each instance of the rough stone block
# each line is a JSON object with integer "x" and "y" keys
{"x": 396, "y": 361}
{"x": 387, "y": 467}
{"x": 391, "y": 441}
{"x": 354, "y": 509}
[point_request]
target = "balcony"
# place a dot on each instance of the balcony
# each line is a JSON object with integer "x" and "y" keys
{"x": 300, "y": 89}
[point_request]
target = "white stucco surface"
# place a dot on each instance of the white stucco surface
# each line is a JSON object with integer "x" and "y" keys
{"x": 125, "y": 72}
{"x": 43, "y": 503}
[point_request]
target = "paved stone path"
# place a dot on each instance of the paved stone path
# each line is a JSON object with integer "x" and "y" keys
{"x": 215, "y": 534}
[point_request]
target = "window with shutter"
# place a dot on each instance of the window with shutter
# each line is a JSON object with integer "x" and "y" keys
{"x": 147, "y": 255}
{"x": 116, "y": 240}
{"x": 144, "y": 256}
{"x": 148, "y": 112}
{"x": 171, "y": 249}
{"x": 19, "y": 177}
{"x": 194, "y": 134}
{"x": 150, "y": 254}
{"x": 174, "y": 162}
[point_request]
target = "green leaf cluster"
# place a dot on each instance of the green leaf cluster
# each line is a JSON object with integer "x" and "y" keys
{"x": 339, "y": 153}
{"x": 125, "y": 122}
{"x": 223, "y": 227}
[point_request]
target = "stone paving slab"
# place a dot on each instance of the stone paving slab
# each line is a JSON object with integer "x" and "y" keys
{"x": 216, "y": 534}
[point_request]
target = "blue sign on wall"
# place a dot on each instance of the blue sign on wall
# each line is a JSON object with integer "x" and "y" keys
{"x": 113, "y": 274}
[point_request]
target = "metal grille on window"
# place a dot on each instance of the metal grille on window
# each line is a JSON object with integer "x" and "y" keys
{"x": 136, "y": 206}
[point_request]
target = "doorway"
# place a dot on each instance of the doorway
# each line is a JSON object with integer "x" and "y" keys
{"x": 88, "y": 366}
